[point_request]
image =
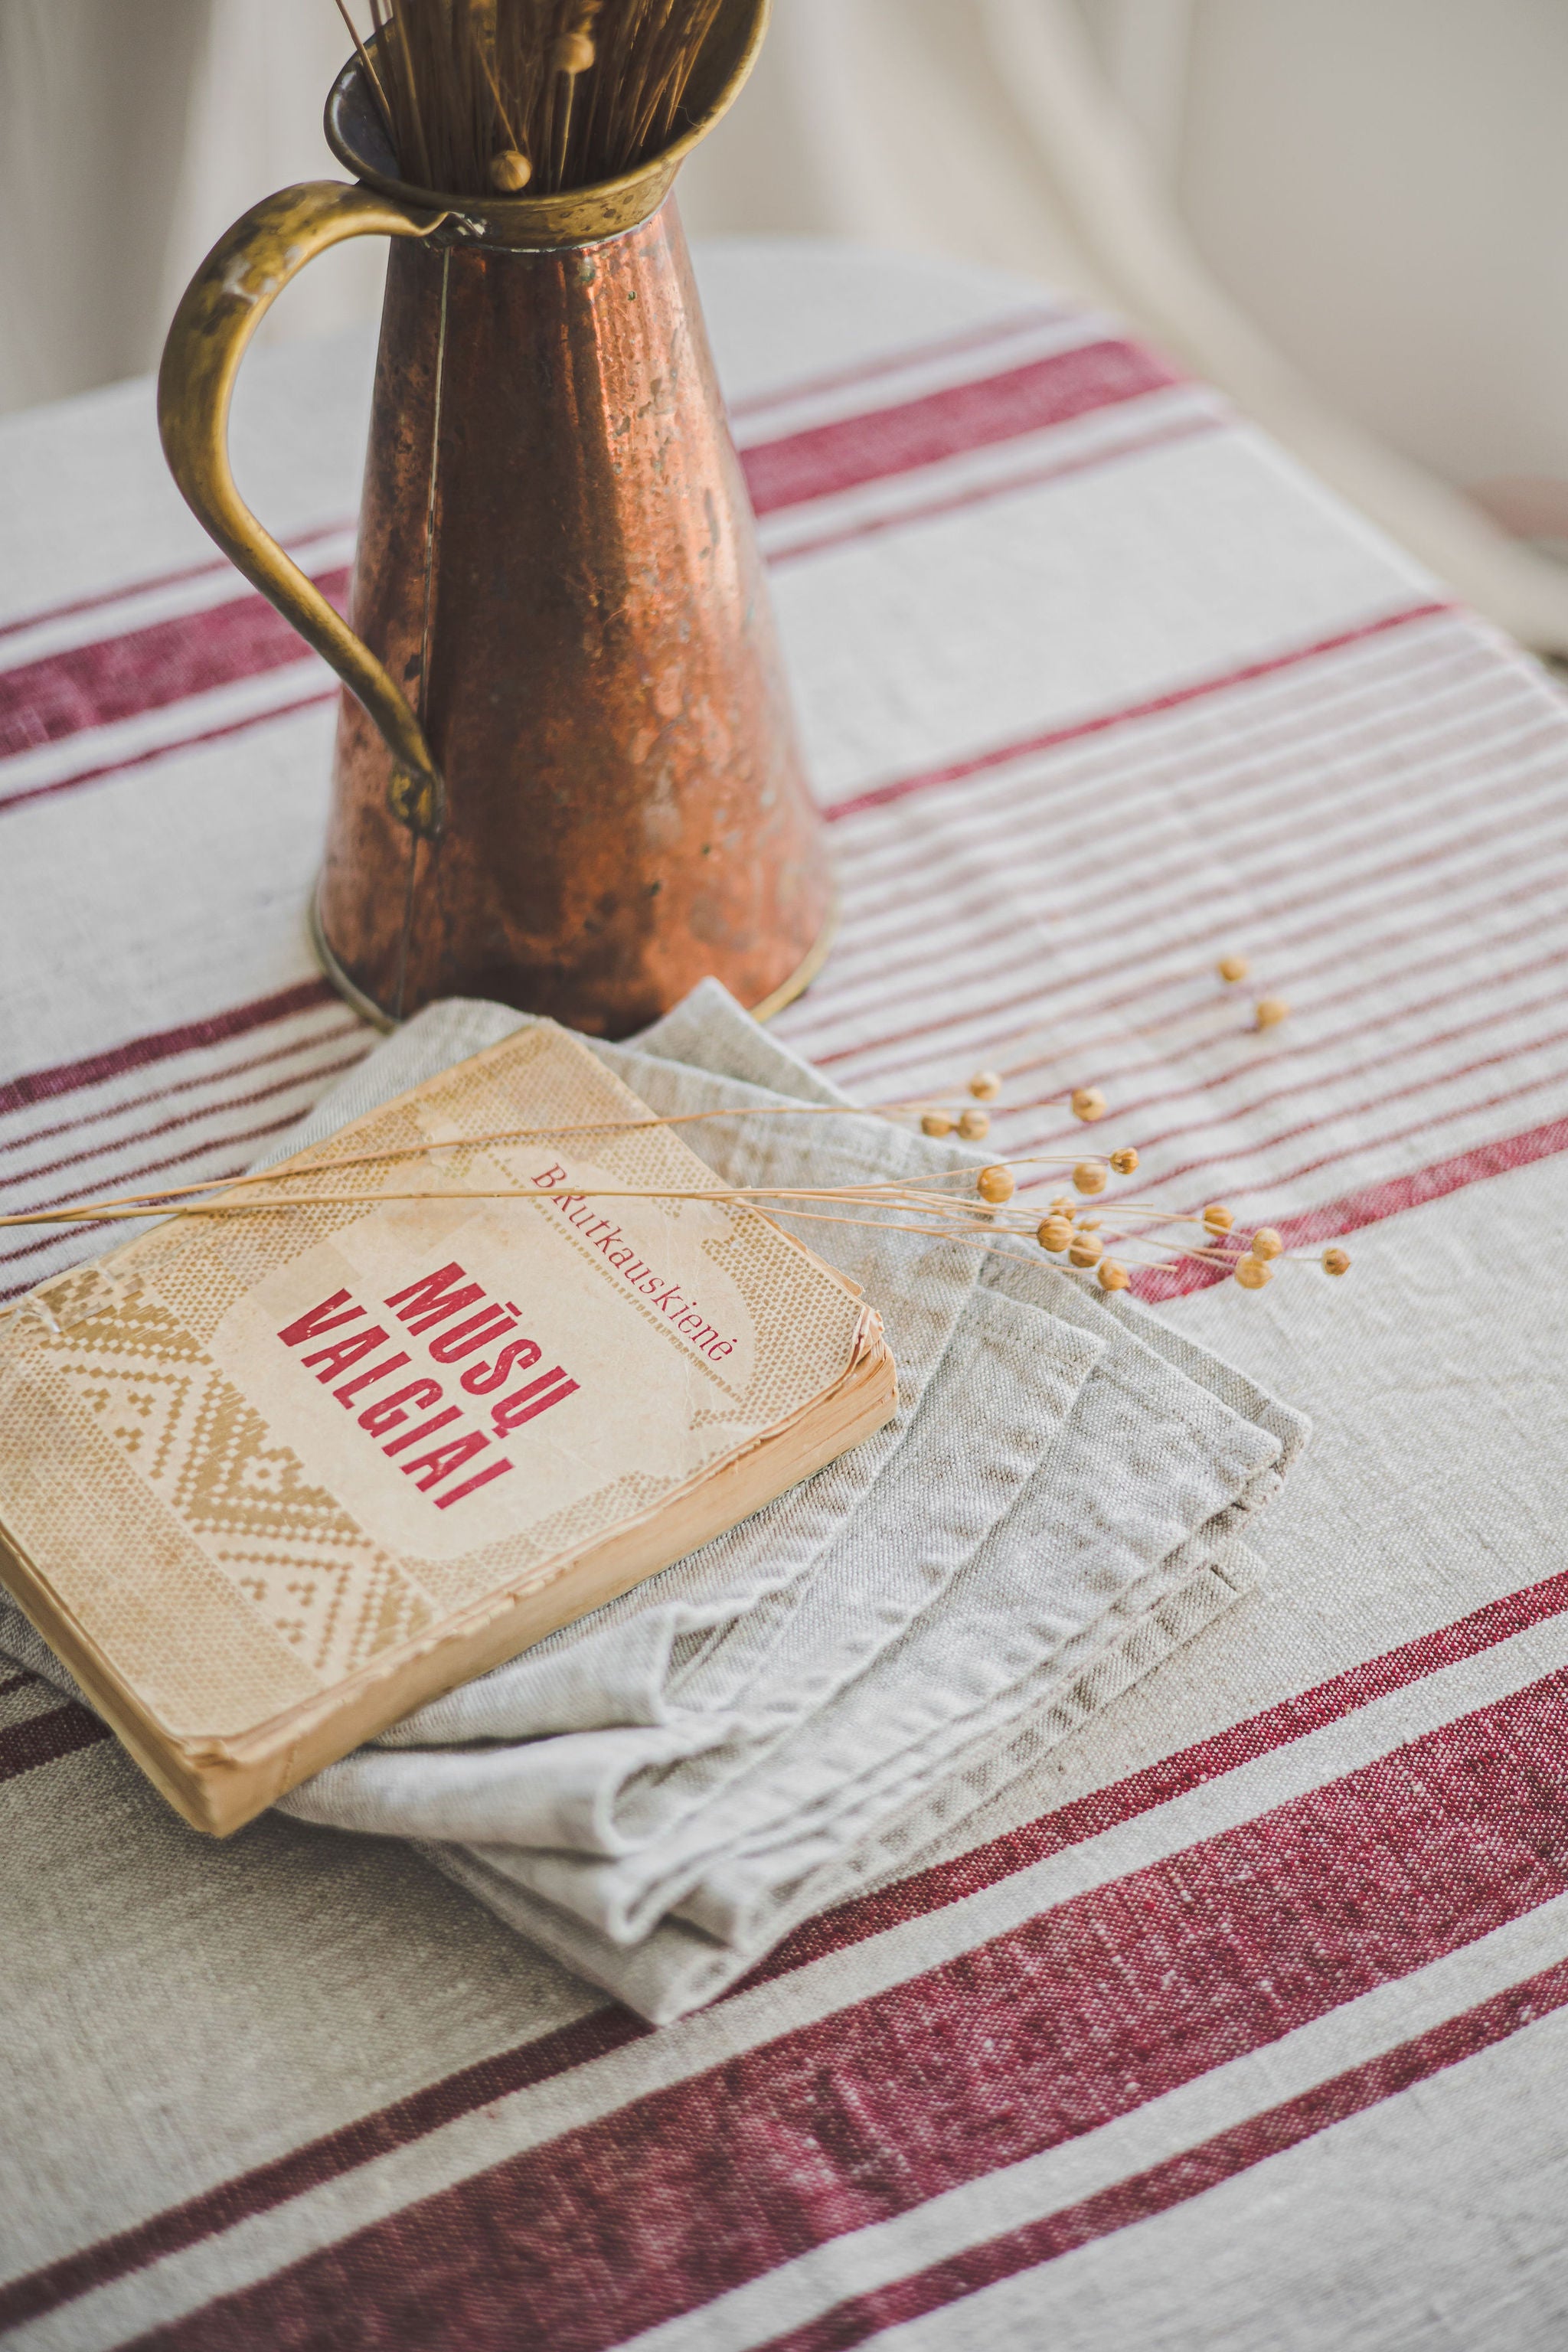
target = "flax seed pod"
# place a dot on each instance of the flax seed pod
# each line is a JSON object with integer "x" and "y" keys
{"x": 995, "y": 1185}
{"x": 1056, "y": 1234}
{"x": 1125, "y": 1162}
{"x": 937, "y": 1123}
{"x": 1088, "y": 1104}
{"x": 975, "y": 1126}
{"x": 573, "y": 54}
{"x": 510, "y": 171}
{"x": 1113, "y": 1276}
{"x": 1217, "y": 1218}
{"x": 1088, "y": 1176}
{"x": 1087, "y": 1249}
{"x": 985, "y": 1085}
{"x": 1336, "y": 1261}
{"x": 1252, "y": 1274}
{"x": 1266, "y": 1244}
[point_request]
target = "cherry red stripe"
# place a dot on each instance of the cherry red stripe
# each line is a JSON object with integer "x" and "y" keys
{"x": 1007, "y": 329}
{"x": 124, "y": 764}
{"x": 1372, "y": 1202}
{"x": 162, "y": 1044}
{"x": 859, "y": 1050}
{"x": 971, "y": 338}
{"x": 1177, "y": 879}
{"x": 164, "y": 662}
{"x": 211, "y": 567}
{"x": 1532, "y": 756}
{"x": 1163, "y": 859}
{"x": 1222, "y": 1121}
{"x": 143, "y": 670}
{"x": 103, "y": 771}
{"x": 1422, "y": 894}
{"x": 29, "y": 1087}
{"x": 1051, "y": 2030}
{"x": 44, "y": 1738}
{"x": 103, "y": 596}
{"x": 410, "y": 2119}
{"x": 1172, "y": 1776}
{"x": 1356, "y": 991}
{"x": 998, "y": 330}
{"x": 980, "y": 493}
{"x": 1001, "y": 755}
{"x": 1380, "y": 1141}
{"x": 1495, "y": 1158}
{"x": 952, "y": 855}
{"x": 148, "y": 1168}
{"x": 1339, "y": 879}
{"x": 145, "y": 1135}
{"x": 1425, "y": 897}
{"x": 295, "y": 1047}
{"x": 302, "y": 2169}
{"x": 1265, "y": 741}
{"x": 1364, "y": 697}
{"x": 827, "y": 459}
{"x": 1178, "y": 2179}
{"x": 1367, "y": 699}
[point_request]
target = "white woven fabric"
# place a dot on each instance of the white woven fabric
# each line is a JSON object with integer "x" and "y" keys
{"x": 1239, "y": 2018}
{"x": 657, "y": 1793}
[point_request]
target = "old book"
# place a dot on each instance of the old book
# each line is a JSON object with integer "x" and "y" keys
{"x": 269, "y": 1481}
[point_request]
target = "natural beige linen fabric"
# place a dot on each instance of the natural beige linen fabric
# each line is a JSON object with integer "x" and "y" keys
{"x": 1167, "y": 1928}
{"x": 658, "y": 1794}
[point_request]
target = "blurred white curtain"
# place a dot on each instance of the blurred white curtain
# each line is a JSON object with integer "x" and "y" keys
{"x": 1050, "y": 136}
{"x": 94, "y": 104}
{"x": 1065, "y": 139}
{"x": 131, "y": 132}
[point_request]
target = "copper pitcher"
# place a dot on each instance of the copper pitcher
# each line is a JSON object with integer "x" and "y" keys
{"x": 566, "y": 772}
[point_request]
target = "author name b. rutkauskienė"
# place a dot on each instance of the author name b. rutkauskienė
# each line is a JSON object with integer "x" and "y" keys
{"x": 446, "y": 1440}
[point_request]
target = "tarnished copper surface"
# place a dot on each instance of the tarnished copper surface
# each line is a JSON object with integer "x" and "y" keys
{"x": 567, "y": 771}
{"x": 558, "y": 562}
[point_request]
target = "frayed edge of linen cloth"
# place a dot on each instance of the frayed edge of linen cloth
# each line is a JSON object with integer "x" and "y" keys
{"x": 658, "y": 1794}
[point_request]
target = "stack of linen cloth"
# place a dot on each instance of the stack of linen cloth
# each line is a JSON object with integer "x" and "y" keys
{"x": 657, "y": 1793}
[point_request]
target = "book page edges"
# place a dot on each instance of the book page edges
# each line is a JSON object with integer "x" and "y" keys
{"x": 219, "y": 1784}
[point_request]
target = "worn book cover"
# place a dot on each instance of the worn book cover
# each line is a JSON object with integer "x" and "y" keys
{"x": 268, "y": 1481}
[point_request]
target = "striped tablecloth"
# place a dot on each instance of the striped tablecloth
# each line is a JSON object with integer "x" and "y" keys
{"x": 1242, "y": 2021}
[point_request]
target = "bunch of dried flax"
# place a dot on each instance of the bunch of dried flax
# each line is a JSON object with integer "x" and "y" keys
{"x": 493, "y": 97}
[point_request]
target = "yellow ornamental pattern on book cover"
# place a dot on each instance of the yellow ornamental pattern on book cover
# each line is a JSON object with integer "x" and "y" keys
{"x": 288, "y": 1548}
{"x": 256, "y": 1457}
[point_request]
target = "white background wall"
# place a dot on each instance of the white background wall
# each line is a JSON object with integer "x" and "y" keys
{"x": 1383, "y": 185}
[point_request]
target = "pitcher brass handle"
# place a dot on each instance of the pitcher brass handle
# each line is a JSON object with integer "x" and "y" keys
{"x": 223, "y": 306}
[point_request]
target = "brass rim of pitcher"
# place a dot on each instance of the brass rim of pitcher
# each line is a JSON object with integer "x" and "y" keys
{"x": 526, "y": 223}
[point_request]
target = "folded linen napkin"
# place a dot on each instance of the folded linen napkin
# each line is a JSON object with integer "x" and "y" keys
{"x": 657, "y": 1793}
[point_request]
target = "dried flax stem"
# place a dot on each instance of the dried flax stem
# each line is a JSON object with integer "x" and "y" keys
{"x": 146, "y": 1205}
{"x": 371, "y": 78}
{"x": 485, "y": 97}
{"x": 979, "y": 1220}
{"x": 149, "y": 1204}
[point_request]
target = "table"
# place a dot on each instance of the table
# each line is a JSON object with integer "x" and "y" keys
{"x": 1241, "y": 2023}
